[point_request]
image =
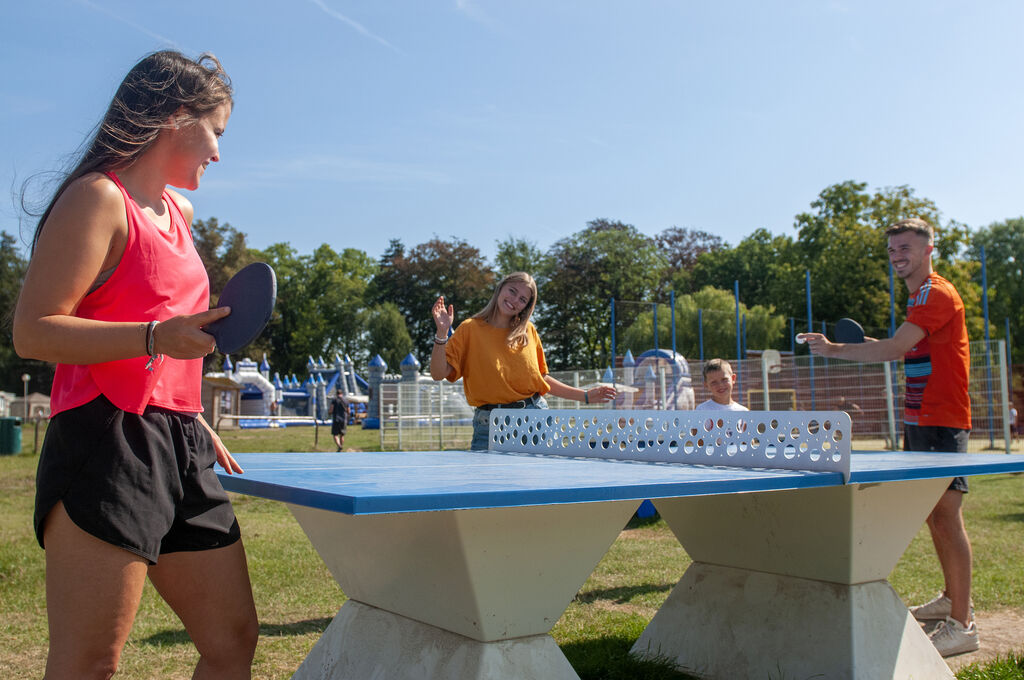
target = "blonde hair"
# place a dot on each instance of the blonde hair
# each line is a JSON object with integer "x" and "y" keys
{"x": 517, "y": 337}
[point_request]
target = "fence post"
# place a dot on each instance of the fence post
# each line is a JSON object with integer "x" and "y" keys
{"x": 1004, "y": 393}
{"x": 890, "y": 406}
{"x": 379, "y": 390}
{"x": 398, "y": 412}
{"x": 661, "y": 386}
{"x": 700, "y": 332}
{"x": 764, "y": 383}
{"x": 440, "y": 415}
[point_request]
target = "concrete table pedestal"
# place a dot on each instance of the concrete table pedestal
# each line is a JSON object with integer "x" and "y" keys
{"x": 455, "y": 594}
{"x": 793, "y": 585}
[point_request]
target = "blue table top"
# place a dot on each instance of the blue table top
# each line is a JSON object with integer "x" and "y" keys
{"x": 413, "y": 481}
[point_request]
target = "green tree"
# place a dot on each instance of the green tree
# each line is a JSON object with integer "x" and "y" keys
{"x": 766, "y": 266}
{"x": 765, "y": 327}
{"x": 222, "y": 249}
{"x": 682, "y": 248}
{"x": 843, "y": 245}
{"x": 320, "y": 306}
{"x": 387, "y": 334}
{"x": 605, "y": 260}
{"x": 1004, "y": 264}
{"x": 412, "y": 281}
{"x": 844, "y": 249}
{"x": 12, "y": 273}
{"x": 386, "y": 285}
{"x": 519, "y": 255}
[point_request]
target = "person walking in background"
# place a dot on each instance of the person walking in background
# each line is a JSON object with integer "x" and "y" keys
{"x": 339, "y": 417}
{"x": 937, "y": 415}
{"x": 1013, "y": 422}
{"x": 498, "y": 355}
{"x": 117, "y": 296}
{"x": 719, "y": 381}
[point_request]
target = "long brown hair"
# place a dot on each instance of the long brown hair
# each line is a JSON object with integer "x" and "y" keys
{"x": 160, "y": 85}
{"x": 517, "y": 336}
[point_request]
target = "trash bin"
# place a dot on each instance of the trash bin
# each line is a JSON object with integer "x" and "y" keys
{"x": 10, "y": 435}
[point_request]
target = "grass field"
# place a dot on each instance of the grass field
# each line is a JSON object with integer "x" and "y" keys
{"x": 296, "y": 597}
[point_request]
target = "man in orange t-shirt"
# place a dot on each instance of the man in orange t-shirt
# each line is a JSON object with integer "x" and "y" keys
{"x": 937, "y": 416}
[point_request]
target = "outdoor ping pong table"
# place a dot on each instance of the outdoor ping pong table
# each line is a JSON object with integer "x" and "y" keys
{"x": 457, "y": 564}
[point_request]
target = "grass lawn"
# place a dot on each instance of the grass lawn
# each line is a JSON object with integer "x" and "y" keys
{"x": 296, "y": 596}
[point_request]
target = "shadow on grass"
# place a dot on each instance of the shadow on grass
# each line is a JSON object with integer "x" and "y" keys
{"x": 622, "y": 594}
{"x": 641, "y": 522}
{"x": 608, "y": 658}
{"x": 179, "y": 636}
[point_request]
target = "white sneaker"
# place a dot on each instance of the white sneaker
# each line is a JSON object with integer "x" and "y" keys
{"x": 936, "y": 610}
{"x": 952, "y": 637}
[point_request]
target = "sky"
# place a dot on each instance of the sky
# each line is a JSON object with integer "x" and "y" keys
{"x": 363, "y": 121}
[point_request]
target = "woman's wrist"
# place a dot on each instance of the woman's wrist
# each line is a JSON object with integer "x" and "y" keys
{"x": 586, "y": 396}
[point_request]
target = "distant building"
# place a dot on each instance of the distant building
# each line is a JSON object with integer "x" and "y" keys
{"x": 38, "y": 406}
{"x": 6, "y": 399}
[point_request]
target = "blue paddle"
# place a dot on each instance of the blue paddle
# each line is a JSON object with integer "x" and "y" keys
{"x": 251, "y": 294}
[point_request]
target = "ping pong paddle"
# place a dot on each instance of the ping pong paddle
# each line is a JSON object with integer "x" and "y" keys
{"x": 251, "y": 294}
{"x": 849, "y": 331}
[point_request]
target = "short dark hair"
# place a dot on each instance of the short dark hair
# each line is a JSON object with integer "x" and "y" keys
{"x": 716, "y": 365}
{"x": 914, "y": 224}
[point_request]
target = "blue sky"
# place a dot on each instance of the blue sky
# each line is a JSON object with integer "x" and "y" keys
{"x": 358, "y": 122}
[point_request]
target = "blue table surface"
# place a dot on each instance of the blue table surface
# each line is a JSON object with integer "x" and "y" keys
{"x": 413, "y": 481}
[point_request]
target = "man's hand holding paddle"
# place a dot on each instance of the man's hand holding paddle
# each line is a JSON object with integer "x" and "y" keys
{"x": 848, "y": 332}
{"x": 851, "y": 343}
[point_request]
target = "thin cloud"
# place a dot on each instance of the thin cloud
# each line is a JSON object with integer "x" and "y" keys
{"x": 353, "y": 24}
{"x": 142, "y": 29}
{"x": 473, "y": 11}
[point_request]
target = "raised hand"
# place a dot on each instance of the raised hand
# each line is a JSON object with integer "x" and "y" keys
{"x": 443, "y": 317}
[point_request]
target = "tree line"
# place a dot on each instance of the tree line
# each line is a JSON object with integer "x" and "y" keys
{"x": 345, "y": 302}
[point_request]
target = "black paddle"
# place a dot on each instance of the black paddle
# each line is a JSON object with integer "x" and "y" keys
{"x": 251, "y": 294}
{"x": 849, "y": 331}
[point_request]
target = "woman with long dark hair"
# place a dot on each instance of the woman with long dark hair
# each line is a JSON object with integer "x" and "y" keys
{"x": 117, "y": 297}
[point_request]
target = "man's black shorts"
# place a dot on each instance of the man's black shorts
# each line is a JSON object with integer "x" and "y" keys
{"x": 143, "y": 483}
{"x": 939, "y": 439}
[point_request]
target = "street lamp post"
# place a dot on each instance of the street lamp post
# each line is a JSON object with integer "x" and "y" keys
{"x": 24, "y": 379}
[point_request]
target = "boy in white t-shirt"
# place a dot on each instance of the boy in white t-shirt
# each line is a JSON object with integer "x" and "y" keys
{"x": 719, "y": 379}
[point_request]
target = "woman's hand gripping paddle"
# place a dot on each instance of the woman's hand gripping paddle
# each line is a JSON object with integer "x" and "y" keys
{"x": 251, "y": 294}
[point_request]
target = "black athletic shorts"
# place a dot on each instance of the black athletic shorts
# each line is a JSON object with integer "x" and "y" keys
{"x": 938, "y": 439}
{"x": 143, "y": 483}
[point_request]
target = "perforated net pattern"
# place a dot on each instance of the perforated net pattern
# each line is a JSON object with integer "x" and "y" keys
{"x": 793, "y": 440}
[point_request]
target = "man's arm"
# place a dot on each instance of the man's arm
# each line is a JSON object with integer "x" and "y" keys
{"x": 889, "y": 349}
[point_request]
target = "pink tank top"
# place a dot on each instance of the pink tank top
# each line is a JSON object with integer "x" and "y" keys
{"x": 159, "y": 276}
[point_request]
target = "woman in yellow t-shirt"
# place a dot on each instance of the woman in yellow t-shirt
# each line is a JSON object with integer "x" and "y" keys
{"x": 498, "y": 355}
